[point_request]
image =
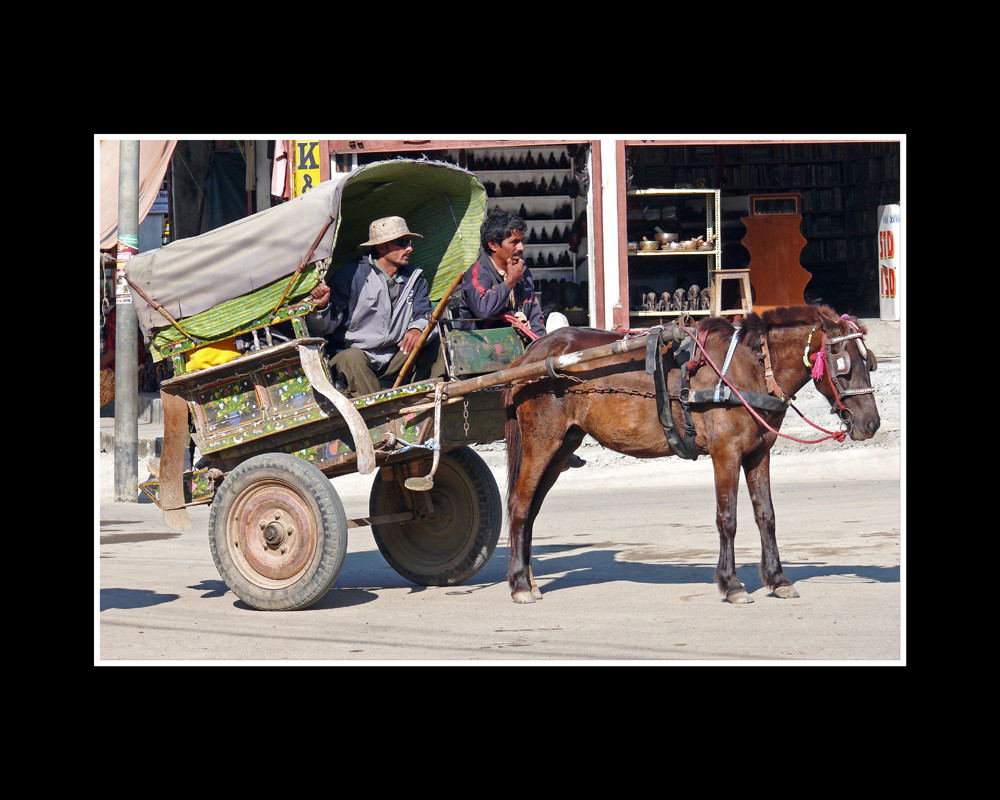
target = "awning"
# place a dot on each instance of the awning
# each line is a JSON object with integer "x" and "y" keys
{"x": 154, "y": 156}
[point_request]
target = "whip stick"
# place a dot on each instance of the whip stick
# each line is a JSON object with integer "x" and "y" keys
{"x": 427, "y": 331}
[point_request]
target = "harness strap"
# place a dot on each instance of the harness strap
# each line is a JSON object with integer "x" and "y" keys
{"x": 725, "y": 364}
{"x": 838, "y": 435}
{"x": 769, "y": 382}
{"x": 683, "y": 447}
{"x": 766, "y": 402}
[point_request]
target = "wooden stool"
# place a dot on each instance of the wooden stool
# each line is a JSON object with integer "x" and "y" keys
{"x": 715, "y": 293}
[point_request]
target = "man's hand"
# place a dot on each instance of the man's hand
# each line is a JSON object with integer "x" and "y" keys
{"x": 321, "y": 294}
{"x": 409, "y": 340}
{"x": 515, "y": 271}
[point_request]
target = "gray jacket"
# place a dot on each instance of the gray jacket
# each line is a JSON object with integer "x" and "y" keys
{"x": 360, "y": 313}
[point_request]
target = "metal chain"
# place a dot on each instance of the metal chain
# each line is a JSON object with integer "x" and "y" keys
{"x": 607, "y": 390}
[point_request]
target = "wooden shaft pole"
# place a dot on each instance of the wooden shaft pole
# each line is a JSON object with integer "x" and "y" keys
{"x": 426, "y": 331}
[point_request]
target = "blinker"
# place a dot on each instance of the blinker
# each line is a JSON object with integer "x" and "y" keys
{"x": 842, "y": 361}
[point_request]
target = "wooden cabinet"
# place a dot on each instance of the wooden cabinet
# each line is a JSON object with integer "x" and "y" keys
{"x": 661, "y": 281}
{"x": 774, "y": 241}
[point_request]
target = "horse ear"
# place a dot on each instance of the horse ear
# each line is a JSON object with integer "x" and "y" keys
{"x": 828, "y": 319}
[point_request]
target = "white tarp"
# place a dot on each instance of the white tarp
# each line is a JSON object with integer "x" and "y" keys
{"x": 192, "y": 275}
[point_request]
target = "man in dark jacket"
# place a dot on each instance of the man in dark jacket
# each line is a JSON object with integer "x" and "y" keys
{"x": 373, "y": 312}
{"x": 499, "y": 284}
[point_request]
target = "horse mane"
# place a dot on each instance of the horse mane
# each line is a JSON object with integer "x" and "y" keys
{"x": 755, "y": 326}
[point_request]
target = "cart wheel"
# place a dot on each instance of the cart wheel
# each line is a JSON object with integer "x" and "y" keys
{"x": 458, "y": 538}
{"x": 278, "y": 532}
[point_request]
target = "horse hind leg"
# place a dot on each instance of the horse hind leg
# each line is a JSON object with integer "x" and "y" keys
{"x": 553, "y": 455}
{"x": 521, "y": 510}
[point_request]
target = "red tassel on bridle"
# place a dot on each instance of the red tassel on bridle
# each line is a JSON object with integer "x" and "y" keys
{"x": 819, "y": 358}
{"x": 819, "y": 362}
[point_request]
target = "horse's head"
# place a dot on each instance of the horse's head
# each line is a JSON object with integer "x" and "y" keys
{"x": 841, "y": 364}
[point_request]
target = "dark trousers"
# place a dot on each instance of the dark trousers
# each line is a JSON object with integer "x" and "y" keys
{"x": 354, "y": 366}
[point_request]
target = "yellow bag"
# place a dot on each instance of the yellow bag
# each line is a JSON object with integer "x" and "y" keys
{"x": 211, "y": 355}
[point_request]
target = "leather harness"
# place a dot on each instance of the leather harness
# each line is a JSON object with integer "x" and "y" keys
{"x": 687, "y": 357}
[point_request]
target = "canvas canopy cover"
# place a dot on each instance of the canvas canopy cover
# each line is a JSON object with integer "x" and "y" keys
{"x": 442, "y": 202}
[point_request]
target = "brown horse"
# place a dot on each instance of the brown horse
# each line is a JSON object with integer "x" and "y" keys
{"x": 614, "y": 400}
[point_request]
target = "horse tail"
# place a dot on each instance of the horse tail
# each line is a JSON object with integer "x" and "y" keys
{"x": 512, "y": 438}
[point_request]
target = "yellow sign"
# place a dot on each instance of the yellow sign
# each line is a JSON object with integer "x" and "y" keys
{"x": 305, "y": 166}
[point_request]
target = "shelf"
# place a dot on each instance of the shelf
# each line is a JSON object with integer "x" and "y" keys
{"x": 668, "y": 313}
{"x": 676, "y": 253}
{"x": 659, "y": 272}
{"x": 641, "y": 192}
{"x": 517, "y": 188}
{"x": 536, "y": 171}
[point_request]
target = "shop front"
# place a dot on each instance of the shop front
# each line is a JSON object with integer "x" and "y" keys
{"x": 783, "y": 221}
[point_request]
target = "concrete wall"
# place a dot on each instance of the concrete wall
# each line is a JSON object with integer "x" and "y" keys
{"x": 883, "y": 337}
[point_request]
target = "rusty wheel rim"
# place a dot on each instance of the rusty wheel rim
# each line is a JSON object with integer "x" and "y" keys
{"x": 272, "y": 533}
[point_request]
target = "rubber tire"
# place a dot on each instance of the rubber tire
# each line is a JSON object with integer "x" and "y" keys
{"x": 316, "y": 546}
{"x": 457, "y": 541}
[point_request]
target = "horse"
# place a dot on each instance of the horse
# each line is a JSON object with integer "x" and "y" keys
{"x": 613, "y": 399}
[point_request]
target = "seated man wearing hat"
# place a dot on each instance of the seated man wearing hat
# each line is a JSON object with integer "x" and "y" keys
{"x": 373, "y": 312}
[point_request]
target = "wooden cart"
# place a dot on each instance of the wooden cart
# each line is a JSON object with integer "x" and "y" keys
{"x": 272, "y": 430}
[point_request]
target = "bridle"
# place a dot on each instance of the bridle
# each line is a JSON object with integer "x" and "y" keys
{"x": 833, "y": 366}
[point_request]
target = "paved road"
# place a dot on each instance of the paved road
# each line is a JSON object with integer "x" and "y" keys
{"x": 624, "y": 552}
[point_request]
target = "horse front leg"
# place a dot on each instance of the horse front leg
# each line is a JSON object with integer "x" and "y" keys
{"x": 758, "y": 477}
{"x": 727, "y": 475}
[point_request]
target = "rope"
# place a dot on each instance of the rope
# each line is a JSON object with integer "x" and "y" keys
{"x": 838, "y": 435}
{"x": 305, "y": 260}
{"x": 162, "y": 310}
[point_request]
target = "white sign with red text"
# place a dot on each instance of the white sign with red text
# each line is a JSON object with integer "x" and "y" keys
{"x": 889, "y": 262}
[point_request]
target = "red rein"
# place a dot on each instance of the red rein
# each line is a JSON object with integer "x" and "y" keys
{"x": 520, "y": 326}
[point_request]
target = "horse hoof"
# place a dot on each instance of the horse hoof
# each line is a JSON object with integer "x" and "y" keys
{"x": 522, "y": 597}
{"x": 785, "y": 591}
{"x": 739, "y": 597}
{"x": 536, "y": 593}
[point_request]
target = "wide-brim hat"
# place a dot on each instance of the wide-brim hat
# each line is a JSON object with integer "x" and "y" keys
{"x": 386, "y": 229}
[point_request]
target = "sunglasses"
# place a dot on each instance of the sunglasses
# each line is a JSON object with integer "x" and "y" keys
{"x": 404, "y": 242}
